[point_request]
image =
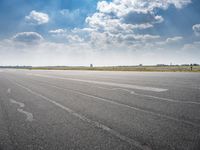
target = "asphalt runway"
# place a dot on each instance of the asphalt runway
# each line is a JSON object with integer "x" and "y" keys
{"x": 96, "y": 110}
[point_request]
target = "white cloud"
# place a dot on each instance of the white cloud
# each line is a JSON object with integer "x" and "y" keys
{"x": 13, "y": 52}
{"x": 122, "y": 7}
{"x": 169, "y": 41}
{"x": 119, "y": 20}
{"x": 50, "y": 53}
{"x": 58, "y": 31}
{"x": 37, "y": 18}
{"x": 196, "y": 29}
{"x": 179, "y": 3}
{"x": 74, "y": 39}
{"x": 174, "y": 39}
{"x": 191, "y": 51}
{"x": 195, "y": 46}
{"x": 70, "y": 36}
{"x": 70, "y": 14}
{"x": 28, "y": 37}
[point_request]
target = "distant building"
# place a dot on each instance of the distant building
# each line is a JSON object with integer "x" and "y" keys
{"x": 91, "y": 65}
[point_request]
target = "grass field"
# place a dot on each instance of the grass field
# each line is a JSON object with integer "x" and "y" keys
{"x": 127, "y": 68}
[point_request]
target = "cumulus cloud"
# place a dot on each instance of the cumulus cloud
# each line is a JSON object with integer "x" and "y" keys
{"x": 138, "y": 11}
{"x": 196, "y": 29}
{"x": 119, "y": 20}
{"x": 123, "y": 7}
{"x": 28, "y": 37}
{"x": 37, "y": 18}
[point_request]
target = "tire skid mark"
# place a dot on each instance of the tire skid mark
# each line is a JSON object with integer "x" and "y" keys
{"x": 178, "y": 120}
{"x": 29, "y": 116}
{"x": 83, "y": 118}
{"x": 127, "y": 106}
{"x": 9, "y": 91}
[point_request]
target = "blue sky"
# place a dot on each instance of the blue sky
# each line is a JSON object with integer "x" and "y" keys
{"x": 12, "y": 14}
{"x": 114, "y": 32}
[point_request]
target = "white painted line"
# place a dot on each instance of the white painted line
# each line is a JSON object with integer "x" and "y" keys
{"x": 29, "y": 116}
{"x": 83, "y": 118}
{"x": 150, "y": 96}
{"x": 108, "y": 83}
{"x": 115, "y": 89}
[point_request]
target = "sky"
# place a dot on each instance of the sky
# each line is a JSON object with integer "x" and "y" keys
{"x": 99, "y": 32}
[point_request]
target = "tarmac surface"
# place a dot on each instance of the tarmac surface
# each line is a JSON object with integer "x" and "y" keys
{"x": 97, "y": 110}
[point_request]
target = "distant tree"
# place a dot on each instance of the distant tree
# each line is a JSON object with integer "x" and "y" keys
{"x": 191, "y": 66}
{"x": 159, "y": 65}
